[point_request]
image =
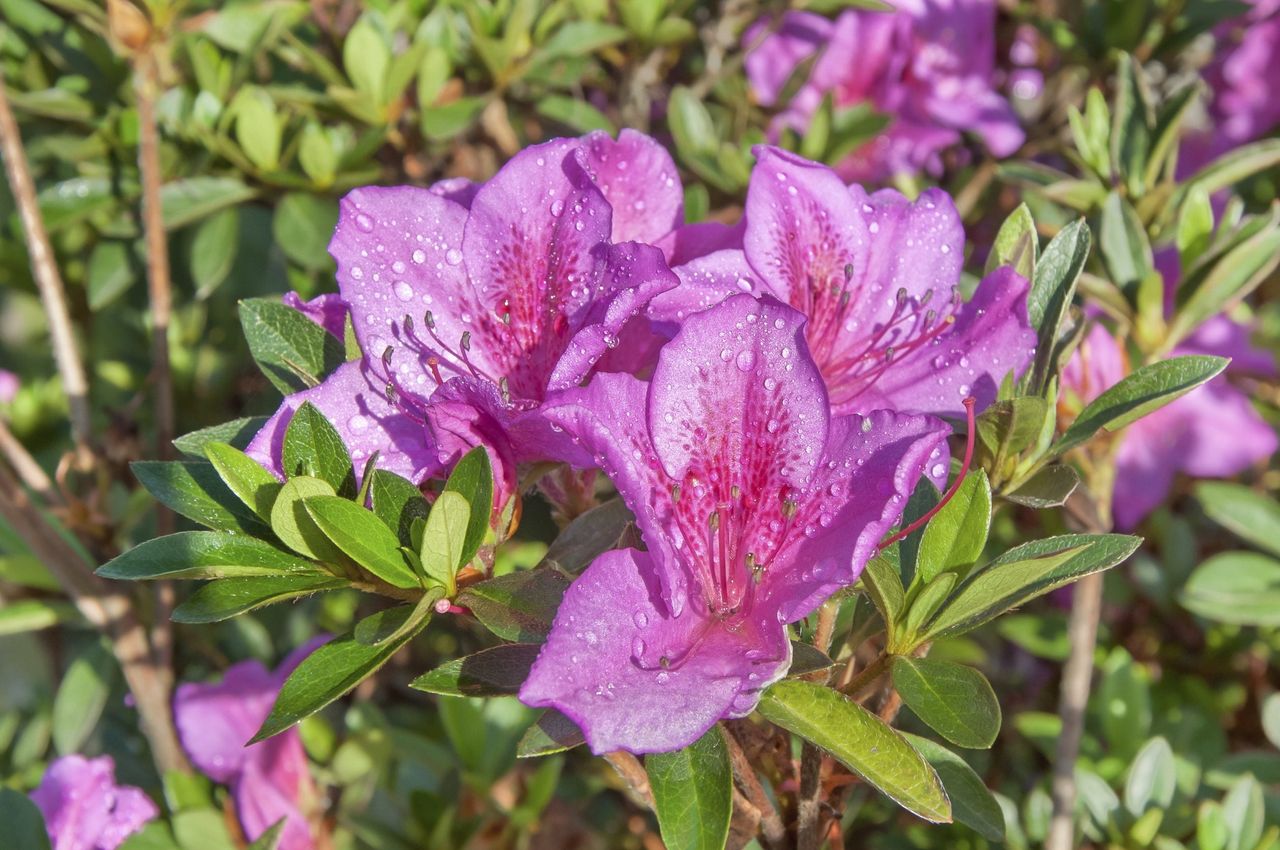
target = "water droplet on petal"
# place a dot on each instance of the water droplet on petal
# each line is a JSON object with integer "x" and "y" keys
{"x": 453, "y": 256}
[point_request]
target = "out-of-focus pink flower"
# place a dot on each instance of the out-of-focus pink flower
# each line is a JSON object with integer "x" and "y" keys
{"x": 269, "y": 780}
{"x": 83, "y": 807}
{"x": 9, "y": 385}
{"x": 929, "y": 66}
{"x": 1242, "y": 79}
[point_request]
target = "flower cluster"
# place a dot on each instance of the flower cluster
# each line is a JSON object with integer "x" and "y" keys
{"x": 795, "y": 365}
{"x": 929, "y": 66}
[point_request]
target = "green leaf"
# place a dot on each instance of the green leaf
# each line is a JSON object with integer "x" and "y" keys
{"x": 252, "y": 484}
{"x": 861, "y": 741}
{"x": 807, "y": 658}
{"x": 1132, "y": 124}
{"x": 442, "y": 123}
{"x": 1124, "y": 695}
{"x": 390, "y": 624}
{"x": 589, "y": 536}
{"x": 472, "y": 479}
{"x": 213, "y": 250}
{"x": 293, "y": 524}
{"x": 551, "y": 733}
{"x": 1230, "y": 168}
{"x": 1271, "y": 719}
{"x": 1048, "y": 488}
{"x": 971, "y": 803}
{"x": 1195, "y": 227}
{"x": 577, "y": 115}
{"x": 81, "y": 697}
{"x": 365, "y": 57}
{"x": 195, "y": 491}
{"x": 229, "y": 597}
{"x": 955, "y": 701}
{"x": 690, "y": 123}
{"x": 955, "y": 537}
{"x": 882, "y": 580}
{"x": 1242, "y": 588}
{"x": 519, "y": 606}
{"x": 443, "y": 537}
{"x": 1137, "y": 394}
{"x": 1238, "y": 272}
{"x": 1017, "y": 246}
{"x": 203, "y": 555}
{"x": 1126, "y": 250}
{"x": 325, "y": 675}
{"x": 302, "y": 225}
{"x": 317, "y": 156}
{"x": 23, "y": 823}
{"x": 190, "y": 199}
{"x": 693, "y": 793}
{"x": 30, "y": 615}
{"x": 397, "y": 502}
{"x": 257, "y": 127}
{"x": 493, "y": 672}
{"x": 1152, "y": 778}
{"x": 1025, "y": 572}
{"x": 1053, "y": 287}
{"x": 269, "y": 839}
{"x": 579, "y": 38}
{"x": 922, "y": 606}
{"x": 362, "y": 537}
{"x": 1245, "y": 811}
{"x": 291, "y": 350}
{"x": 312, "y": 446}
{"x": 111, "y": 273}
{"x": 237, "y": 433}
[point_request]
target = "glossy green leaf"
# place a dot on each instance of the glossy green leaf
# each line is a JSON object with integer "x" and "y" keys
{"x": 1025, "y": 572}
{"x": 861, "y": 741}
{"x": 588, "y": 536}
{"x": 312, "y": 446}
{"x": 1053, "y": 287}
{"x": 196, "y": 491}
{"x": 257, "y": 127}
{"x": 326, "y": 674}
{"x": 519, "y": 606}
{"x": 971, "y": 802}
{"x": 213, "y": 250}
{"x": 229, "y": 597}
{"x": 1017, "y": 245}
{"x": 1126, "y": 251}
{"x": 82, "y": 696}
{"x": 366, "y": 57}
{"x": 303, "y": 225}
{"x": 397, "y": 502}
{"x": 390, "y": 624}
{"x": 251, "y": 483}
{"x": 497, "y": 671}
{"x": 551, "y": 733}
{"x": 1137, "y": 394}
{"x": 443, "y": 538}
{"x": 293, "y": 524}
{"x": 1232, "y": 167}
{"x": 1237, "y": 273}
{"x": 472, "y": 478}
{"x": 1236, "y": 587}
{"x": 1048, "y": 488}
{"x": 203, "y": 555}
{"x": 236, "y": 433}
{"x": 291, "y": 350}
{"x": 955, "y": 537}
{"x": 190, "y": 199}
{"x": 882, "y": 580}
{"x": 1250, "y": 515}
{"x": 693, "y": 793}
{"x": 955, "y": 701}
{"x": 362, "y": 537}
{"x": 23, "y": 823}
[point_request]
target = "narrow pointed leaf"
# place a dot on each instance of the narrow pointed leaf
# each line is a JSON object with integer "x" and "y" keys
{"x": 1048, "y": 488}
{"x": 1016, "y": 245}
{"x": 693, "y": 793}
{"x": 972, "y": 804}
{"x": 237, "y": 433}
{"x": 472, "y": 478}
{"x": 551, "y": 733}
{"x": 312, "y": 446}
{"x": 203, "y": 554}
{"x": 588, "y": 536}
{"x": 497, "y": 671}
{"x": 229, "y": 597}
{"x": 363, "y": 537}
{"x": 861, "y": 741}
{"x": 195, "y": 490}
{"x": 1249, "y": 515}
{"x": 955, "y": 701}
{"x": 252, "y": 484}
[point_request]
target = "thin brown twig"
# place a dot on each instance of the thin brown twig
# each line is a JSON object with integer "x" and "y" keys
{"x": 48, "y": 279}
{"x": 1082, "y": 632}
{"x": 772, "y": 829}
{"x": 808, "y": 802}
{"x": 160, "y": 294}
{"x": 634, "y": 774}
{"x": 109, "y": 611}
{"x": 28, "y": 469}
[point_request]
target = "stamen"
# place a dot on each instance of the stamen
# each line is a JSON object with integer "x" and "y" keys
{"x": 955, "y": 486}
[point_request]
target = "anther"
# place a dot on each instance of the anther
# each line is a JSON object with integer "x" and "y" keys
{"x": 430, "y": 320}
{"x": 466, "y": 341}
{"x": 505, "y": 389}
{"x": 675, "y": 492}
{"x": 386, "y": 357}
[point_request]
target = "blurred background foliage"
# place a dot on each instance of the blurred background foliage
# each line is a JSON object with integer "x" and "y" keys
{"x": 270, "y": 111}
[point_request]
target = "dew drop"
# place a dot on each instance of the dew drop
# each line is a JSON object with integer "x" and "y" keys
{"x": 419, "y": 256}
{"x": 453, "y": 256}
{"x": 403, "y": 290}
{"x": 364, "y": 222}
{"x": 745, "y": 360}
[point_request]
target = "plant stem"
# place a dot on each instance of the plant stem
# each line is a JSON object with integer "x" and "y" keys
{"x": 48, "y": 279}
{"x": 109, "y": 611}
{"x": 862, "y": 681}
{"x": 26, "y": 467}
{"x": 772, "y": 829}
{"x": 1082, "y": 631}
{"x": 634, "y": 774}
{"x": 808, "y": 805}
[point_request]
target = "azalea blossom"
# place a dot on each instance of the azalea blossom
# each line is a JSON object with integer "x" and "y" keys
{"x": 1211, "y": 432}
{"x": 473, "y": 304}
{"x": 1241, "y": 77}
{"x": 755, "y": 505}
{"x": 929, "y": 66}
{"x": 877, "y": 276}
{"x": 269, "y": 780}
{"x": 83, "y": 807}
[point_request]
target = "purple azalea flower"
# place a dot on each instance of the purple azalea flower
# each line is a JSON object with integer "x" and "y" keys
{"x": 9, "y": 385}
{"x": 83, "y": 807}
{"x": 269, "y": 780}
{"x": 1241, "y": 78}
{"x": 755, "y": 505}
{"x": 929, "y": 66}
{"x": 473, "y": 304}
{"x": 328, "y": 311}
{"x": 1211, "y": 432}
{"x": 877, "y": 278}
